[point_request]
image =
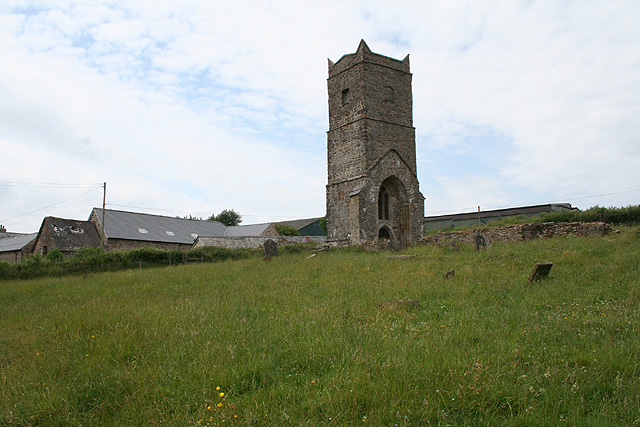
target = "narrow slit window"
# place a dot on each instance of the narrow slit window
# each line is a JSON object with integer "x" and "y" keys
{"x": 383, "y": 204}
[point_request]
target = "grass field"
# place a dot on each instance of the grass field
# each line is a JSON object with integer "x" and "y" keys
{"x": 302, "y": 342}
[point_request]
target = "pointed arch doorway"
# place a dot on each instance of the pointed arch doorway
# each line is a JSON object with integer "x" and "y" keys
{"x": 394, "y": 215}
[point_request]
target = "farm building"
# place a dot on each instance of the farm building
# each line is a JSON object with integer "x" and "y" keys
{"x": 66, "y": 235}
{"x": 444, "y": 222}
{"x": 128, "y": 230}
{"x": 14, "y": 247}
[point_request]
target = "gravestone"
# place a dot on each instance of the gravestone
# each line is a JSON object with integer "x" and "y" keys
{"x": 270, "y": 249}
{"x": 540, "y": 271}
{"x": 481, "y": 242}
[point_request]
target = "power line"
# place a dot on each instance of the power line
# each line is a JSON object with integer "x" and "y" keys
{"x": 47, "y": 207}
{"x": 539, "y": 203}
{"x": 601, "y": 195}
{"x": 198, "y": 212}
{"x": 44, "y": 184}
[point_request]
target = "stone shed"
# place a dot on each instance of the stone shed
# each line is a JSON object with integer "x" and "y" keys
{"x": 66, "y": 235}
{"x": 14, "y": 247}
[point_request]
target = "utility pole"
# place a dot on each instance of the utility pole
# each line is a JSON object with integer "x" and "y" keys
{"x": 104, "y": 199}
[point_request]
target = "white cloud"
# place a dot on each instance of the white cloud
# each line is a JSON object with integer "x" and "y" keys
{"x": 199, "y": 106}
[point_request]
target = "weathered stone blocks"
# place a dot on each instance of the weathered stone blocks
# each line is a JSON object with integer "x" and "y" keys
{"x": 371, "y": 151}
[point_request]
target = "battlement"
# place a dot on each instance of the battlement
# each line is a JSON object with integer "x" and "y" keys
{"x": 364, "y": 54}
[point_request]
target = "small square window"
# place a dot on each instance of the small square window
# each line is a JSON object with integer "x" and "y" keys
{"x": 345, "y": 96}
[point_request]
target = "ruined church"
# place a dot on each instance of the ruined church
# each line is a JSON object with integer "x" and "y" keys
{"x": 372, "y": 191}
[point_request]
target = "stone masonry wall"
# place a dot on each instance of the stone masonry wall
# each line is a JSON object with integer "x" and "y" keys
{"x": 513, "y": 233}
{"x": 124, "y": 244}
{"x": 254, "y": 242}
{"x": 371, "y": 138}
{"x": 11, "y": 257}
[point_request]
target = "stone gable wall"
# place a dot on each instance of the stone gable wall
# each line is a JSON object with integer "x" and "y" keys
{"x": 270, "y": 231}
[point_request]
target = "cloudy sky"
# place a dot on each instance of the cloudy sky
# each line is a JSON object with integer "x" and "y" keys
{"x": 190, "y": 107}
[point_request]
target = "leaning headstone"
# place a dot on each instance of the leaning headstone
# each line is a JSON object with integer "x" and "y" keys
{"x": 270, "y": 249}
{"x": 540, "y": 271}
{"x": 481, "y": 242}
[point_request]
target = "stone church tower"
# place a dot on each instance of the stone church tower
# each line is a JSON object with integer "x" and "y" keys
{"x": 372, "y": 190}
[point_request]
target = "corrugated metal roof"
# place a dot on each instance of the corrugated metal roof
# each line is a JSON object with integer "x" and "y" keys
{"x": 15, "y": 241}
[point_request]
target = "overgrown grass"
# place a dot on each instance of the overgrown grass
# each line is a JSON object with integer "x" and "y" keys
{"x": 92, "y": 260}
{"x": 300, "y": 341}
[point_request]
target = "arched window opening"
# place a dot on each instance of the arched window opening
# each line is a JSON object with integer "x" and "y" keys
{"x": 383, "y": 203}
{"x": 389, "y": 95}
{"x": 384, "y": 233}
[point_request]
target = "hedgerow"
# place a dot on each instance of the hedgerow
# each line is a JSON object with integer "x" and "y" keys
{"x": 629, "y": 215}
{"x": 92, "y": 260}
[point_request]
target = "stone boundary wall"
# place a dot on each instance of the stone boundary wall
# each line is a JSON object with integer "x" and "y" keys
{"x": 113, "y": 245}
{"x": 514, "y": 233}
{"x": 254, "y": 242}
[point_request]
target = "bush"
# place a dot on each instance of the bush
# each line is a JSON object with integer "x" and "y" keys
{"x": 629, "y": 215}
{"x": 54, "y": 255}
{"x": 94, "y": 260}
{"x": 323, "y": 225}
{"x": 287, "y": 230}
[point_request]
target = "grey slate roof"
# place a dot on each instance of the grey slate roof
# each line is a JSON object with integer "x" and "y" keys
{"x": 157, "y": 228}
{"x": 15, "y": 241}
{"x": 252, "y": 230}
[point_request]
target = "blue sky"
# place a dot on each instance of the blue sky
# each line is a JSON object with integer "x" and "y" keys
{"x": 191, "y": 107}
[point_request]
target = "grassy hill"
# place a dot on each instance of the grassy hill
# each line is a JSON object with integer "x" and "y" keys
{"x": 302, "y": 342}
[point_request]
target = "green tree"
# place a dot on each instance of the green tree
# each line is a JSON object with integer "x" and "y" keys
{"x": 323, "y": 225}
{"x": 227, "y": 217}
{"x": 287, "y": 230}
